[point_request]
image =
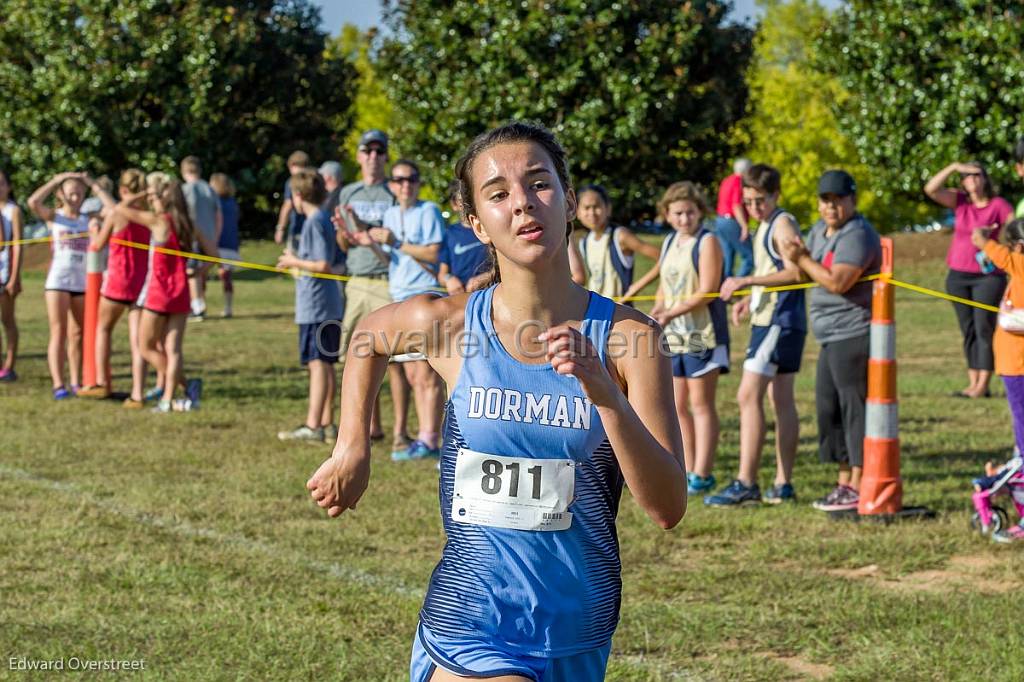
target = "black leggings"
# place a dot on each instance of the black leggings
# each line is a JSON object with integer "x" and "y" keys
{"x": 840, "y": 391}
{"x": 976, "y": 325}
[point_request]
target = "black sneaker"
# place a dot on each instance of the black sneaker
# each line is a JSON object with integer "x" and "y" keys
{"x": 735, "y": 495}
{"x": 842, "y": 498}
{"x": 778, "y": 494}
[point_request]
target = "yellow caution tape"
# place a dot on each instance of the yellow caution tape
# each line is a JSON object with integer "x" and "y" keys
{"x": 943, "y": 295}
{"x": 746, "y": 292}
{"x": 229, "y": 261}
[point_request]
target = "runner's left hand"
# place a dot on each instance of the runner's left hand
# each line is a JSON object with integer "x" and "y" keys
{"x": 571, "y": 353}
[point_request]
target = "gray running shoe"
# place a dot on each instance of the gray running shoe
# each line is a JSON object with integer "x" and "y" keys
{"x": 842, "y": 498}
{"x": 778, "y": 494}
{"x": 303, "y": 433}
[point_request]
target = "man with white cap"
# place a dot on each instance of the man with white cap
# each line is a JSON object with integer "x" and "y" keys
{"x": 330, "y": 171}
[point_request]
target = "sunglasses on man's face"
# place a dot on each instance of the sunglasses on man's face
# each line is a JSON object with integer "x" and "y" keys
{"x": 755, "y": 201}
{"x": 971, "y": 175}
{"x": 370, "y": 151}
{"x": 405, "y": 179}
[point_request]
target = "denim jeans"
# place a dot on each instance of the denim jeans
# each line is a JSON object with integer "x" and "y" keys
{"x": 728, "y": 232}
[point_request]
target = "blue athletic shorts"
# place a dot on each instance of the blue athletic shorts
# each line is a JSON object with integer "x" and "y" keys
{"x": 319, "y": 341}
{"x": 774, "y": 350}
{"x": 693, "y": 365}
{"x": 474, "y": 658}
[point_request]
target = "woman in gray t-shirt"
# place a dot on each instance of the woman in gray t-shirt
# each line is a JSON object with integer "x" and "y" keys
{"x": 841, "y": 249}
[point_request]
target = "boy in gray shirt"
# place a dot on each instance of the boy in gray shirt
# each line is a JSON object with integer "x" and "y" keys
{"x": 318, "y": 308}
{"x": 204, "y": 210}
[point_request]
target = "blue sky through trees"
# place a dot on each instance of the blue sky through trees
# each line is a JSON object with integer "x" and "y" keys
{"x": 367, "y": 13}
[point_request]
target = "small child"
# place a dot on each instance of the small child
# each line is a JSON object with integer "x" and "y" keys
{"x": 318, "y": 309}
{"x": 695, "y": 325}
{"x": 463, "y": 260}
{"x": 1008, "y": 342}
{"x": 1007, "y": 479}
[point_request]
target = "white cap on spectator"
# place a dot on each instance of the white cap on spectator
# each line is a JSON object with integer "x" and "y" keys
{"x": 330, "y": 169}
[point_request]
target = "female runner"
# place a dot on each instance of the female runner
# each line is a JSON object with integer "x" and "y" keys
{"x": 540, "y": 433}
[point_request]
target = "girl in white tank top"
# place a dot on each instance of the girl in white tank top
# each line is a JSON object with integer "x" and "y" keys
{"x": 65, "y": 283}
{"x": 68, "y": 248}
{"x": 10, "y": 274}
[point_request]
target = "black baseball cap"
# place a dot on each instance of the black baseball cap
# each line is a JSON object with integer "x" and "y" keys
{"x": 371, "y": 137}
{"x": 837, "y": 182}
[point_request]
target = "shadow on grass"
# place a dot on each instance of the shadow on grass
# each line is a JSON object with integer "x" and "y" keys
{"x": 965, "y": 465}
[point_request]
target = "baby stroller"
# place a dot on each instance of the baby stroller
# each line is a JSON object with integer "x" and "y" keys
{"x": 1008, "y": 481}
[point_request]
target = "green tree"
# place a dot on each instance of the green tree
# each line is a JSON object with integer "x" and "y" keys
{"x": 641, "y": 93}
{"x": 371, "y": 107}
{"x": 930, "y": 81}
{"x": 791, "y": 125}
{"x": 108, "y": 84}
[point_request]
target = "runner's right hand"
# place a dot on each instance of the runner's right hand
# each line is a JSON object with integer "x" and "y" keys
{"x": 340, "y": 481}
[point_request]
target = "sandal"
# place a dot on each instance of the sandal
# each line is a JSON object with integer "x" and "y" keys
{"x": 400, "y": 446}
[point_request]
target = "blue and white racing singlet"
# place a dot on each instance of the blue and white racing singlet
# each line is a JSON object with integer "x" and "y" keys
{"x": 529, "y": 492}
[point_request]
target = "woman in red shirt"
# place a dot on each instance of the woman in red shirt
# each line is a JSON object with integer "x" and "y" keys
{"x": 127, "y": 267}
{"x": 971, "y": 275}
{"x": 166, "y": 306}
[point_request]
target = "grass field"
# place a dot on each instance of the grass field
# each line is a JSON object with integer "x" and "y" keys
{"x": 188, "y": 540}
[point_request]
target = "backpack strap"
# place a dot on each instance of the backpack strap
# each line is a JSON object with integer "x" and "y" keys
{"x": 695, "y": 254}
{"x": 666, "y": 244}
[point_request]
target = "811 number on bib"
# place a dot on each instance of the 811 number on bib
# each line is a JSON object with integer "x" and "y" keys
{"x": 491, "y": 483}
{"x": 513, "y": 492}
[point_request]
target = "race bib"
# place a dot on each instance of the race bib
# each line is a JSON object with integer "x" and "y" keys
{"x": 513, "y": 492}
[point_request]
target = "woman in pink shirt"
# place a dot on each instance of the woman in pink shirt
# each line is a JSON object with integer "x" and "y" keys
{"x": 971, "y": 274}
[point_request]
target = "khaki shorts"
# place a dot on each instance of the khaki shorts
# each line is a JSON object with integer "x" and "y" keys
{"x": 362, "y": 296}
